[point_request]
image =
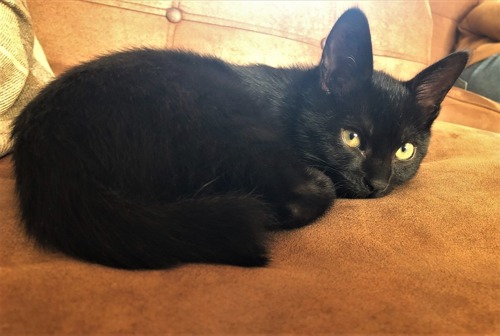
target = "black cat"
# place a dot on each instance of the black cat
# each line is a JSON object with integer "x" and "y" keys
{"x": 149, "y": 158}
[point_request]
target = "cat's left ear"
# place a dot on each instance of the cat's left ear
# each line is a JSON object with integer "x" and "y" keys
{"x": 347, "y": 60}
{"x": 432, "y": 84}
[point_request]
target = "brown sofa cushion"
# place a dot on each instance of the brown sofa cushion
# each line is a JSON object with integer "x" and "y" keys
{"x": 445, "y": 16}
{"x": 421, "y": 260}
{"x": 270, "y": 32}
{"x": 480, "y": 31}
{"x": 470, "y": 109}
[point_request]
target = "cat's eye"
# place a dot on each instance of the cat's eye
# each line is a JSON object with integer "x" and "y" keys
{"x": 405, "y": 152}
{"x": 350, "y": 138}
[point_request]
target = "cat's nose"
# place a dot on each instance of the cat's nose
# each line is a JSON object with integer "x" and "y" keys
{"x": 376, "y": 185}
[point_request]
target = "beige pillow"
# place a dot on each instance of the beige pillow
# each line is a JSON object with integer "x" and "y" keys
{"x": 23, "y": 66}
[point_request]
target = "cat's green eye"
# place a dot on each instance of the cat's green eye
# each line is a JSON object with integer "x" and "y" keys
{"x": 350, "y": 138}
{"x": 405, "y": 152}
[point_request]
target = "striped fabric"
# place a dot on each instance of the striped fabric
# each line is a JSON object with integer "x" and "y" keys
{"x": 23, "y": 67}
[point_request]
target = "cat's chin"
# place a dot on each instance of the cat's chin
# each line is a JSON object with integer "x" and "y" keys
{"x": 350, "y": 193}
{"x": 378, "y": 194}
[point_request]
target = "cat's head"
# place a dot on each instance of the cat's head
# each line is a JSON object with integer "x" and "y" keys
{"x": 365, "y": 129}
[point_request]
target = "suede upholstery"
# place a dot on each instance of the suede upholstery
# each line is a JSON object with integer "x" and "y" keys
{"x": 421, "y": 260}
{"x": 424, "y": 259}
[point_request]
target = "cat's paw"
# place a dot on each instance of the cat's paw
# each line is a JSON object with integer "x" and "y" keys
{"x": 309, "y": 200}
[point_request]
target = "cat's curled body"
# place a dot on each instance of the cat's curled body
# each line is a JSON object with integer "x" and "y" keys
{"x": 149, "y": 158}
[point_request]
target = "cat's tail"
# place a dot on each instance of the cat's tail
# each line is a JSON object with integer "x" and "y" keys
{"x": 103, "y": 228}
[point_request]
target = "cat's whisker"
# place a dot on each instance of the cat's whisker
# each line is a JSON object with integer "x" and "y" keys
{"x": 324, "y": 165}
{"x": 205, "y": 186}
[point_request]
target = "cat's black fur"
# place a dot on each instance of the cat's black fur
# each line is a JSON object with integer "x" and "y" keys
{"x": 149, "y": 158}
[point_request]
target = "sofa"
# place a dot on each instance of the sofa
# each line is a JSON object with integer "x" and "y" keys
{"x": 424, "y": 259}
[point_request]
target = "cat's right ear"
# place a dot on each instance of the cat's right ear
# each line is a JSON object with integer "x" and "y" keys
{"x": 347, "y": 60}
